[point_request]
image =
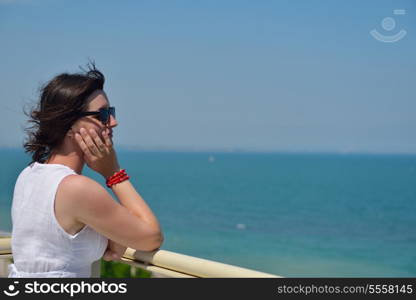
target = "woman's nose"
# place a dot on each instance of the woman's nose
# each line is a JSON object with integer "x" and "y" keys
{"x": 113, "y": 122}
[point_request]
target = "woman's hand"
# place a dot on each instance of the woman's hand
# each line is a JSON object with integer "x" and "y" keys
{"x": 99, "y": 154}
{"x": 114, "y": 251}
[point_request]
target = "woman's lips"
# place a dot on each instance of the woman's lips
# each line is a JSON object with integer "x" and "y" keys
{"x": 109, "y": 133}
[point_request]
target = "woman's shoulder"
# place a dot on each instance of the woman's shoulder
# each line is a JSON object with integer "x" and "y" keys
{"x": 76, "y": 182}
{"x": 78, "y": 191}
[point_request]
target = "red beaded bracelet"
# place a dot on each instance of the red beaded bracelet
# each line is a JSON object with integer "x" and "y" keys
{"x": 117, "y": 177}
{"x": 117, "y": 180}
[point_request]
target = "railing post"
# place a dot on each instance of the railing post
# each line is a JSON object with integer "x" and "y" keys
{"x": 96, "y": 269}
{"x": 5, "y": 261}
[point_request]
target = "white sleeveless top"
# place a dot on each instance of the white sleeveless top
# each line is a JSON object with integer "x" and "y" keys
{"x": 40, "y": 246}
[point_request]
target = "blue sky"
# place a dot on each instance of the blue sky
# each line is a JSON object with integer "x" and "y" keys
{"x": 223, "y": 75}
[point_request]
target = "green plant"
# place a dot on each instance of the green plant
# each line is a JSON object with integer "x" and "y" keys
{"x": 114, "y": 269}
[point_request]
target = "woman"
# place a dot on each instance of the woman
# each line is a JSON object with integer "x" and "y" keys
{"x": 62, "y": 220}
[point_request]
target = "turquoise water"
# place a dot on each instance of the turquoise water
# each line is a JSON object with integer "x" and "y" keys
{"x": 296, "y": 215}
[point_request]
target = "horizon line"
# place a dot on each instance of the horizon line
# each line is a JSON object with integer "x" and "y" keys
{"x": 240, "y": 150}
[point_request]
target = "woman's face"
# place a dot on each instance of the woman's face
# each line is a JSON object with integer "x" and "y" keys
{"x": 96, "y": 100}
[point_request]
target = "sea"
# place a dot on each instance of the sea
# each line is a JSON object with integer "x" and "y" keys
{"x": 289, "y": 214}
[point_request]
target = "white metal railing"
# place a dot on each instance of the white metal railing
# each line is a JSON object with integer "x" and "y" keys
{"x": 160, "y": 263}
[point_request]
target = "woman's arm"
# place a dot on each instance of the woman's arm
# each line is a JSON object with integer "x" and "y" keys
{"x": 114, "y": 251}
{"x": 101, "y": 157}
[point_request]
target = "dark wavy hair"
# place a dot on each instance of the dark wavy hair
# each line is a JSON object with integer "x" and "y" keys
{"x": 61, "y": 101}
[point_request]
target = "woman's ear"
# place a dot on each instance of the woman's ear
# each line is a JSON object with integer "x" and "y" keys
{"x": 70, "y": 133}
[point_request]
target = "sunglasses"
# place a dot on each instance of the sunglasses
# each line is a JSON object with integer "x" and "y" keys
{"x": 103, "y": 114}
